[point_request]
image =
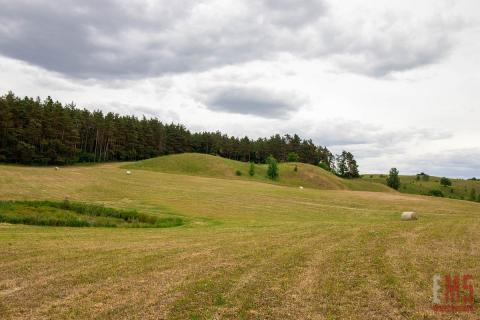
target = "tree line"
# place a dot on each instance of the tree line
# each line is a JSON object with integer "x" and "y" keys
{"x": 46, "y": 132}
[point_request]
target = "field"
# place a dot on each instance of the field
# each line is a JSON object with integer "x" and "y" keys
{"x": 248, "y": 248}
{"x": 460, "y": 188}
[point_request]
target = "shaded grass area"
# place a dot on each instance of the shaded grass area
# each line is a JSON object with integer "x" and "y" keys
{"x": 78, "y": 214}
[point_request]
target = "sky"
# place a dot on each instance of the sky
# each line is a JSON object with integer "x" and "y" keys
{"x": 395, "y": 82}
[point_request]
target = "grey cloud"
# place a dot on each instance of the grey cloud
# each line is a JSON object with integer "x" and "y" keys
{"x": 254, "y": 101}
{"x": 340, "y": 133}
{"x": 451, "y": 162}
{"x": 396, "y": 47}
{"x": 114, "y": 39}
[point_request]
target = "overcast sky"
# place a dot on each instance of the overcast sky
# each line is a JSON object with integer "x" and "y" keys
{"x": 395, "y": 82}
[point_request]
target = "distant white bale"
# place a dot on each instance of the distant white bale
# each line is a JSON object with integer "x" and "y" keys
{"x": 301, "y": 187}
{"x": 129, "y": 172}
{"x": 409, "y": 215}
{"x": 57, "y": 168}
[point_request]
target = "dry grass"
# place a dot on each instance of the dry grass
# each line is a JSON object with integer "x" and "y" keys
{"x": 248, "y": 250}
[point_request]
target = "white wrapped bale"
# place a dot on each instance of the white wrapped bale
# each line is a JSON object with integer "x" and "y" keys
{"x": 301, "y": 187}
{"x": 129, "y": 172}
{"x": 409, "y": 215}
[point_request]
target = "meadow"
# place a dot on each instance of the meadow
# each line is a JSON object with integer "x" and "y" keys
{"x": 247, "y": 248}
{"x": 460, "y": 189}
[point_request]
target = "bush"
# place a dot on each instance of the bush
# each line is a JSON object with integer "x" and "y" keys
{"x": 238, "y": 173}
{"x": 295, "y": 168}
{"x": 445, "y": 182}
{"x": 272, "y": 171}
{"x": 435, "y": 193}
{"x": 324, "y": 166}
{"x": 251, "y": 170}
{"x": 293, "y": 157}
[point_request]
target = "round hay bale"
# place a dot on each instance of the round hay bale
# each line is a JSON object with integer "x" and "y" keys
{"x": 129, "y": 172}
{"x": 57, "y": 168}
{"x": 409, "y": 215}
{"x": 301, "y": 187}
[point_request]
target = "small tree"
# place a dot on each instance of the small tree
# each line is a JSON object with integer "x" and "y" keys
{"x": 445, "y": 182}
{"x": 272, "y": 171}
{"x": 393, "y": 180}
{"x": 293, "y": 157}
{"x": 251, "y": 170}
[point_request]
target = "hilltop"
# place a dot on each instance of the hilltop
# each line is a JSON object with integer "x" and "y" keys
{"x": 307, "y": 175}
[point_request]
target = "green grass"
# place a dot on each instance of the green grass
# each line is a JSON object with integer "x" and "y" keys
{"x": 460, "y": 188}
{"x": 75, "y": 214}
{"x": 248, "y": 249}
{"x": 307, "y": 175}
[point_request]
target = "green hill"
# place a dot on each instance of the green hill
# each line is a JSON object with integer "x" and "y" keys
{"x": 307, "y": 175}
{"x": 460, "y": 188}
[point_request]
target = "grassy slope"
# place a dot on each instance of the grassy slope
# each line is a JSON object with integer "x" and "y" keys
{"x": 211, "y": 166}
{"x": 249, "y": 250}
{"x": 460, "y": 188}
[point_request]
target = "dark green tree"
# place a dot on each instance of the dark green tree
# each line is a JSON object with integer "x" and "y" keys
{"x": 393, "y": 180}
{"x": 445, "y": 182}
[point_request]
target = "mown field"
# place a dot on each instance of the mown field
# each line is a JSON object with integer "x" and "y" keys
{"x": 460, "y": 189}
{"x": 246, "y": 250}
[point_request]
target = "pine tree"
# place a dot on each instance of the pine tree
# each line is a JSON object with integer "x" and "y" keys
{"x": 272, "y": 171}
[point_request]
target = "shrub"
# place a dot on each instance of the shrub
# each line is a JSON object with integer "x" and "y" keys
{"x": 324, "y": 166}
{"x": 238, "y": 173}
{"x": 251, "y": 170}
{"x": 445, "y": 182}
{"x": 272, "y": 171}
{"x": 293, "y": 157}
{"x": 295, "y": 168}
{"x": 435, "y": 193}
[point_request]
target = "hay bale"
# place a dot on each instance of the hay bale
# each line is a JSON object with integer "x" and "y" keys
{"x": 301, "y": 187}
{"x": 409, "y": 215}
{"x": 129, "y": 172}
{"x": 57, "y": 168}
